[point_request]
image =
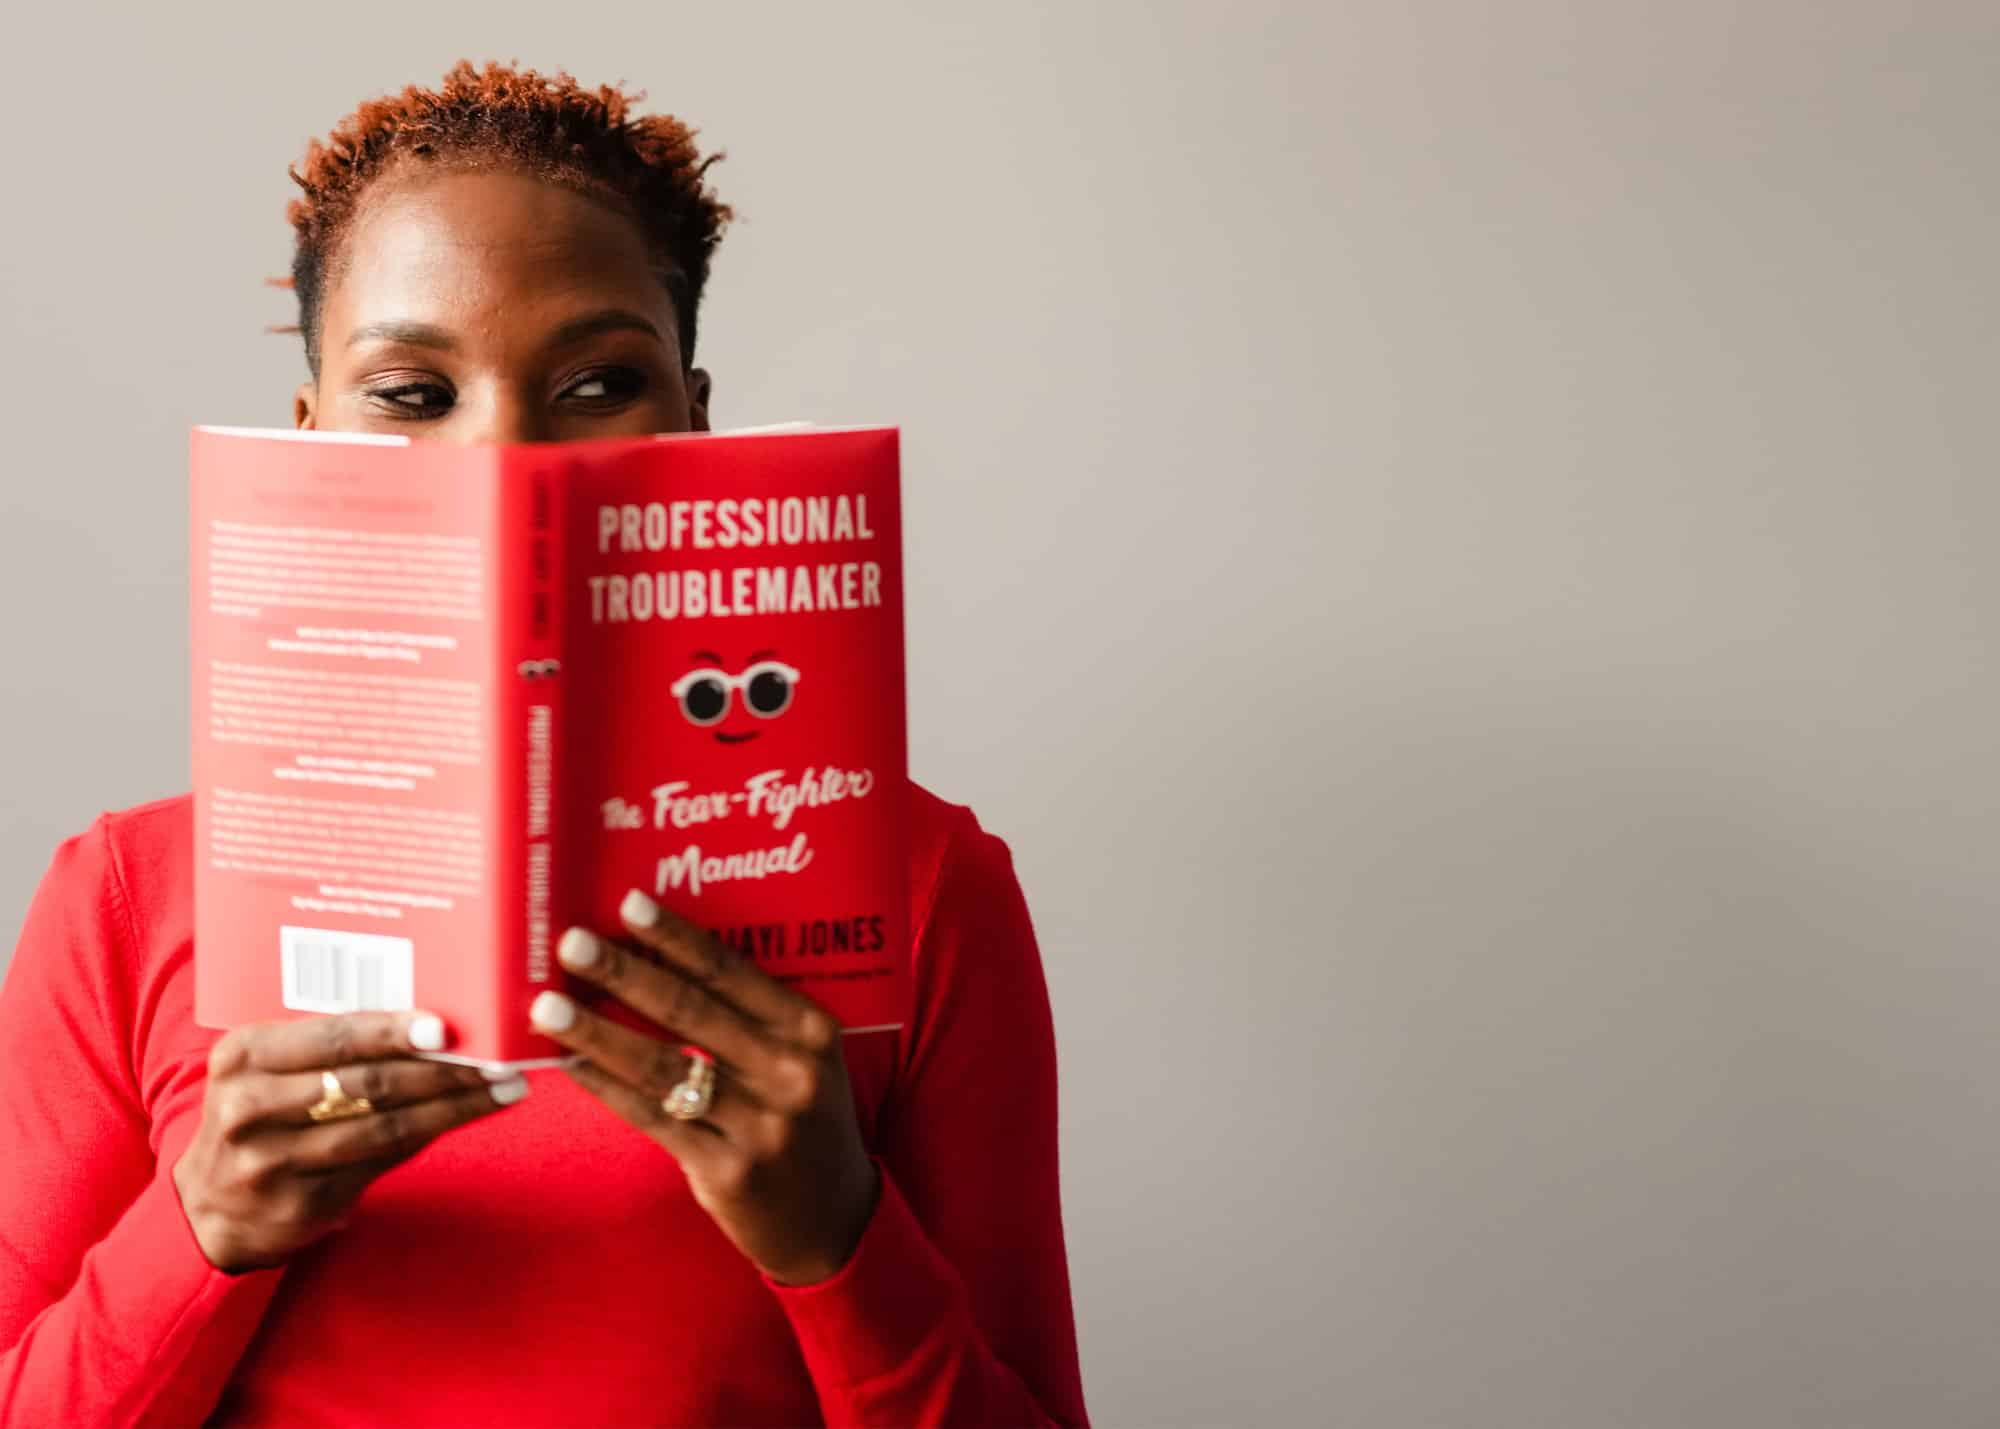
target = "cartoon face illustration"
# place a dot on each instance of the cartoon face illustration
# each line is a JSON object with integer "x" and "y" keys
{"x": 765, "y": 687}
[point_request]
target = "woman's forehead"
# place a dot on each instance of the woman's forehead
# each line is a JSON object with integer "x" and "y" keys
{"x": 473, "y": 248}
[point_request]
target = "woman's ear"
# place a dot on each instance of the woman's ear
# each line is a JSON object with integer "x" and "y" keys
{"x": 304, "y": 407}
{"x": 699, "y": 386}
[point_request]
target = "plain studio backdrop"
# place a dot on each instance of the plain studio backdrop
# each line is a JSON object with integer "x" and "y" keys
{"x": 1454, "y": 540}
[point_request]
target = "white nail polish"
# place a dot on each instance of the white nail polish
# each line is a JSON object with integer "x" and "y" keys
{"x": 552, "y": 1012}
{"x": 510, "y": 1091}
{"x": 639, "y": 910}
{"x": 427, "y": 1032}
{"x": 578, "y": 949}
{"x": 499, "y": 1073}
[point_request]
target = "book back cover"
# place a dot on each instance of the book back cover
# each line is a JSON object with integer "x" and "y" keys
{"x": 342, "y": 682}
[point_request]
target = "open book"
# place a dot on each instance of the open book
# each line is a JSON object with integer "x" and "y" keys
{"x": 449, "y": 700}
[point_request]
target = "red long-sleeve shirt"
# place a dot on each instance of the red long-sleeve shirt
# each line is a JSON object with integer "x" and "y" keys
{"x": 546, "y": 1265}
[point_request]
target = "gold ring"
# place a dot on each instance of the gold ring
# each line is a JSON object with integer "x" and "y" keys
{"x": 337, "y": 1105}
{"x": 694, "y": 1093}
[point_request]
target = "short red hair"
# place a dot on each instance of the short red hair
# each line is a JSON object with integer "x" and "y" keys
{"x": 502, "y": 116}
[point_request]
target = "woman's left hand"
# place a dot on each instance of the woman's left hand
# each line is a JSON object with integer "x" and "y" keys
{"x": 778, "y": 1159}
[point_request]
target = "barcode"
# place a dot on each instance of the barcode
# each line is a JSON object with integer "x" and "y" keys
{"x": 328, "y": 970}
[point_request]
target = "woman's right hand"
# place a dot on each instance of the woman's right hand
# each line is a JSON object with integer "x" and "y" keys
{"x": 261, "y": 1179}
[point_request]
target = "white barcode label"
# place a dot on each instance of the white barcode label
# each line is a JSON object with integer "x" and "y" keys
{"x": 327, "y": 970}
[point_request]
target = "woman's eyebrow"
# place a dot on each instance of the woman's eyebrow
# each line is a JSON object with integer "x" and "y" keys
{"x": 410, "y": 333}
{"x": 604, "y": 320}
{"x": 416, "y": 334}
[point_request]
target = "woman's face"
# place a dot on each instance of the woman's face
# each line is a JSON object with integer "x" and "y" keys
{"x": 493, "y": 307}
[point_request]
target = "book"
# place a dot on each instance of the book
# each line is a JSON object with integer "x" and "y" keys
{"x": 450, "y": 700}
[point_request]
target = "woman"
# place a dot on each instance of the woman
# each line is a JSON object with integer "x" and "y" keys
{"x": 854, "y": 1230}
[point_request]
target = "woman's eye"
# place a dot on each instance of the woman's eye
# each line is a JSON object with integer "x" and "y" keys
{"x": 414, "y": 399}
{"x": 605, "y": 387}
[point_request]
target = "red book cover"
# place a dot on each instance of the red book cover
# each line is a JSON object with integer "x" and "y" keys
{"x": 449, "y": 700}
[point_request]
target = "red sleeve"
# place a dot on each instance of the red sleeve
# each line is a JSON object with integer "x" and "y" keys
{"x": 955, "y": 1307}
{"x": 109, "y": 1313}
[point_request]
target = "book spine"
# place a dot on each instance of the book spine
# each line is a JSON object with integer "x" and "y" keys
{"x": 207, "y": 1002}
{"x": 528, "y": 679}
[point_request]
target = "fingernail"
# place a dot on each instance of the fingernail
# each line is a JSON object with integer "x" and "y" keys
{"x": 497, "y": 1074}
{"x": 427, "y": 1032}
{"x": 639, "y": 910}
{"x": 510, "y": 1091}
{"x": 552, "y": 1012}
{"x": 578, "y": 949}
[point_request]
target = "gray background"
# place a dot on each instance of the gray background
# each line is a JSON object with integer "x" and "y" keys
{"x": 1452, "y": 538}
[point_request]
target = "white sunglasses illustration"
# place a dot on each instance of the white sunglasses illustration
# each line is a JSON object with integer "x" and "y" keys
{"x": 766, "y": 688}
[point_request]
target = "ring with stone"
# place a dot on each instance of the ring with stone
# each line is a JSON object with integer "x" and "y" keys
{"x": 694, "y": 1093}
{"x": 334, "y": 1103}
